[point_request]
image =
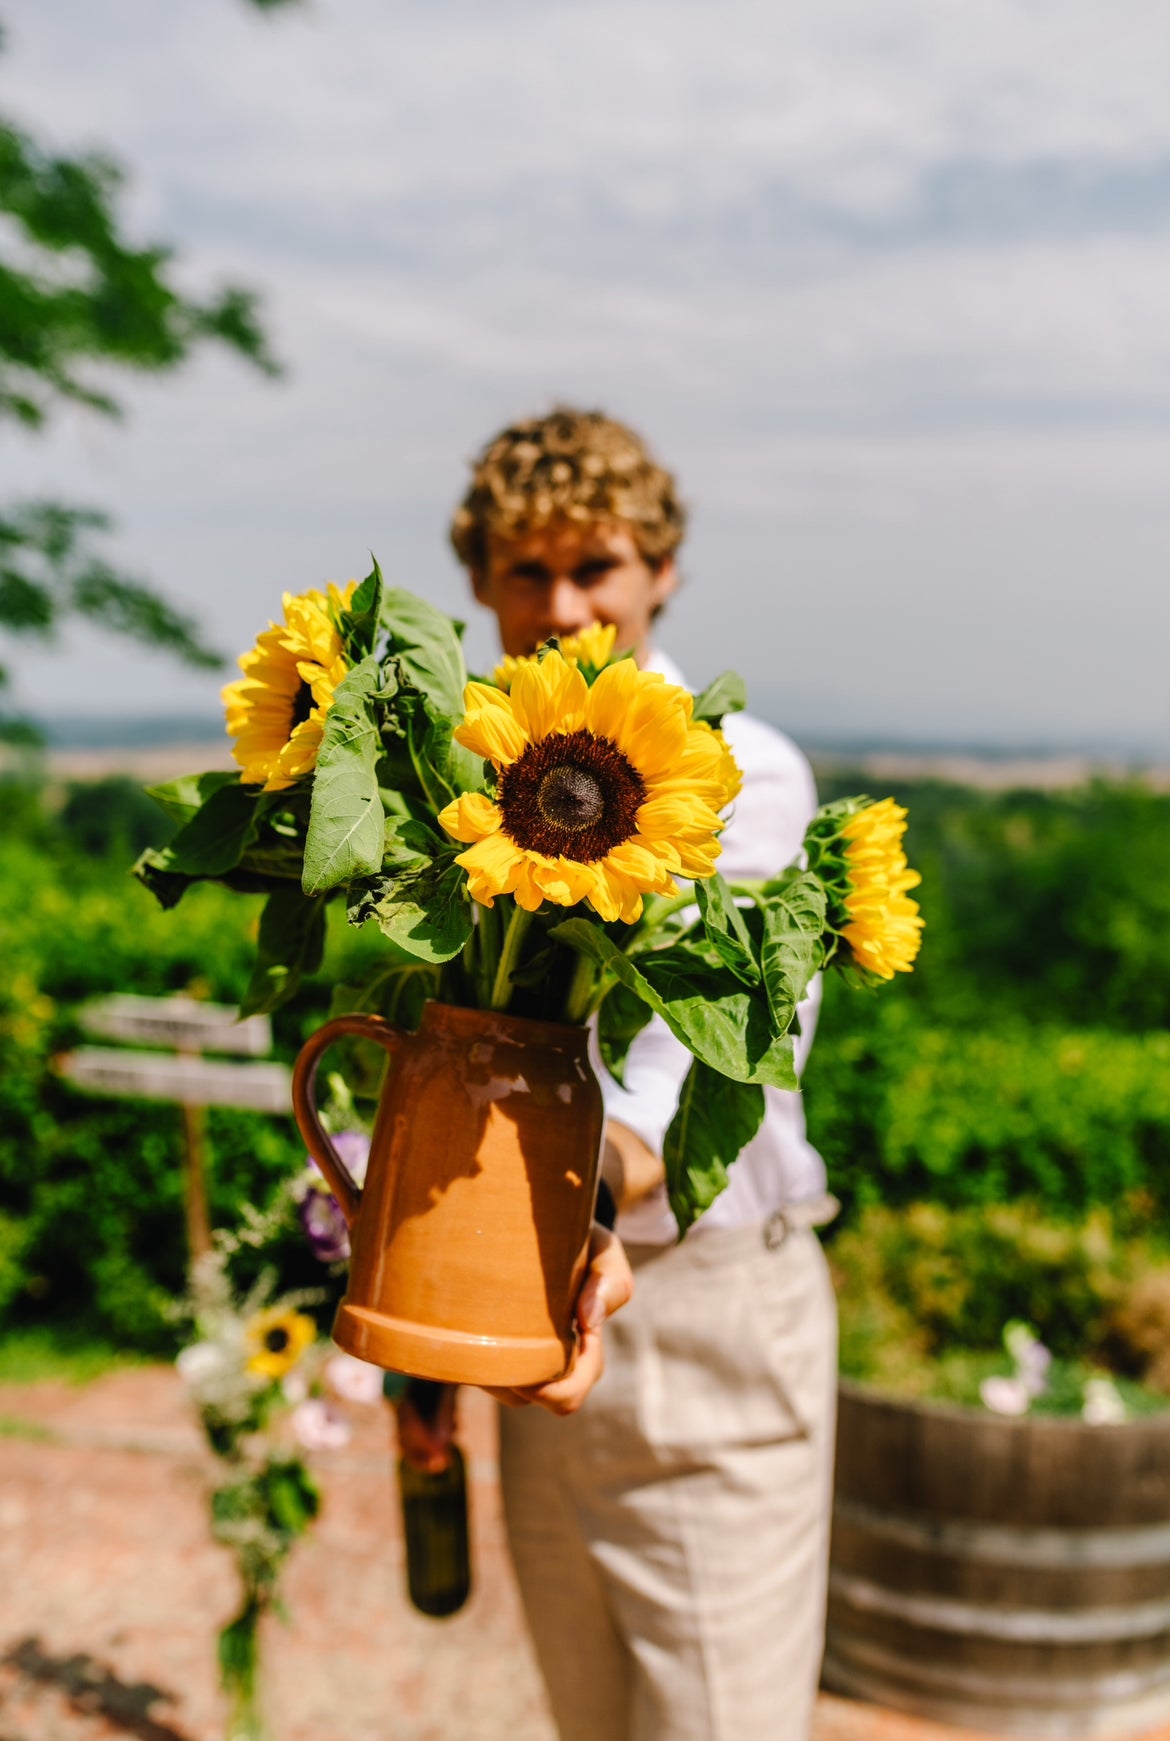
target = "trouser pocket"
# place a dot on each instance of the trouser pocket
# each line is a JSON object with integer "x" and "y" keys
{"x": 725, "y": 1350}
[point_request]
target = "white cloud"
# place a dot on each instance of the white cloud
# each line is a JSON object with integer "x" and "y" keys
{"x": 887, "y": 284}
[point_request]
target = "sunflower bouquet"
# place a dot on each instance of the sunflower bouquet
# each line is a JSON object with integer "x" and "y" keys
{"x": 543, "y": 843}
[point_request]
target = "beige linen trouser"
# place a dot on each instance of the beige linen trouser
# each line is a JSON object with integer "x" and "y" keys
{"x": 671, "y": 1539}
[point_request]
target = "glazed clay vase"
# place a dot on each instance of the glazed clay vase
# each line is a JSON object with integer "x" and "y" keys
{"x": 470, "y": 1236}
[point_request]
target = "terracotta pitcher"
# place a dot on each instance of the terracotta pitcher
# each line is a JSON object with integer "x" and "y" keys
{"x": 470, "y": 1235}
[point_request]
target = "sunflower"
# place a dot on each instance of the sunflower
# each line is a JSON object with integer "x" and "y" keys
{"x": 603, "y": 793}
{"x": 884, "y": 929}
{"x": 276, "y": 711}
{"x": 276, "y": 1339}
{"x": 593, "y": 648}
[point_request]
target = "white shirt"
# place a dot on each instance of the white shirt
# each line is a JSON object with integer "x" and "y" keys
{"x": 779, "y": 1165}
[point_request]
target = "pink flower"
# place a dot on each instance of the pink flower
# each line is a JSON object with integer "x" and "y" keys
{"x": 355, "y": 1380}
{"x": 320, "y": 1426}
{"x": 1005, "y": 1396}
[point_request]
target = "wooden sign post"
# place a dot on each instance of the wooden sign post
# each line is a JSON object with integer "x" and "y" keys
{"x": 189, "y": 1029}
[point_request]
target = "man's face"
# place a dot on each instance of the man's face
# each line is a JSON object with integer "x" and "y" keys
{"x": 558, "y": 580}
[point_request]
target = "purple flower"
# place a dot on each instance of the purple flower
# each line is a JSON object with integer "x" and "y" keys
{"x": 320, "y": 1213}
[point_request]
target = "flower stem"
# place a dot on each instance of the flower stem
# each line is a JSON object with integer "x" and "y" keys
{"x": 509, "y": 956}
{"x": 581, "y": 988}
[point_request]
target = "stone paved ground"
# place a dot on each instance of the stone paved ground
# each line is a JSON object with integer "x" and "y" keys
{"x": 110, "y": 1591}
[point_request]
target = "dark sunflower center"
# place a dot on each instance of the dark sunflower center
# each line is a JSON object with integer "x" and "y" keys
{"x": 570, "y": 798}
{"x": 302, "y": 706}
{"x": 276, "y": 1341}
{"x": 571, "y": 794}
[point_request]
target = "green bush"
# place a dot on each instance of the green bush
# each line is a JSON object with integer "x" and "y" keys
{"x": 902, "y": 1110}
{"x": 1050, "y": 907}
{"x": 1026, "y": 1058}
{"x": 91, "y": 1192}
{"x": 924, "y": 1291}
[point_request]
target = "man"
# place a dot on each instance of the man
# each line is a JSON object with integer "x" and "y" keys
{"x": 670, "y": 1536}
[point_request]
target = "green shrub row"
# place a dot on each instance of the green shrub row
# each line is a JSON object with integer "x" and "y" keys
{"x": 91, "y": 1189}
{"x": 1027, "y": 1057}
{"x": 904, "y": 1110}
{"x": 923, "y": 1289}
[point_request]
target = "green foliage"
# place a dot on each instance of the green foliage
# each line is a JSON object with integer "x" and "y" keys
{"x": 1050, "y": 906}
{"x": 925, "y": 1294}
{"x": 727, "y": 694}
{"x": 716, "y": 1118}
{"x": 903, "y": 1110}
{"x": 94, "y": 1186}
{"x": 346, "y": 821}
{"x": 1027, "y": 1054}
{"x": 79, "y": 301}
{"x": 85, "y": 294}
{"x": 1016, "y": 1071}
{"x": 289, "y": 944}
{"x": 112, "y": 818}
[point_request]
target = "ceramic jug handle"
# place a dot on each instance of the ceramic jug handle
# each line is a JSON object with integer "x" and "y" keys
{"x": 304, "y": 1082}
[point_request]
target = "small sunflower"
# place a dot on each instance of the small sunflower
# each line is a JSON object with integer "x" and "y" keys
{"x": 603, "y": 793}
{"x": 884, "y": 928}
{"x": 592, "y": 648}
{"x": 277, "y": 710}
{"x": 276, "y": 1339}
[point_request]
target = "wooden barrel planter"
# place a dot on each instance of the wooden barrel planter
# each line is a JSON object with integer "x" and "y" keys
{"x": 1008, "y": 1575}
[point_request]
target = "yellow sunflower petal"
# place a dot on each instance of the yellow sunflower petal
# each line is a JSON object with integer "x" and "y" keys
{"x": 884, "y": 931}
{"x": 562, "y": 880}
{"x": 593, "y": 647}
{"x": 548, "y": 695}
{"x": 678, "y": 815}
{"x": 490, "y": 728}
{"x": 492, "y": 866}
{"x": 640, "y": 713}
{"x": 304, "y": 653}
{"x": 471, "y": 816}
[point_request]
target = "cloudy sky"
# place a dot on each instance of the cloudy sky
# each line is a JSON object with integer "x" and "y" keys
{"x": 885, "y": 281}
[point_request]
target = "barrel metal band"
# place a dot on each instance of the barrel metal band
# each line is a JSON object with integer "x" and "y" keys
{"x": 859, "y": 1665}
{"x": 1010, "y": 1544}
{"x": 1030, "y": 1625}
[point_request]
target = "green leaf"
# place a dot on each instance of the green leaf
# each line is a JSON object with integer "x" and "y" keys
{"x": 716, "y": 1119}
{"x": 728, "y": 694}
{"x": 293, "y": 1498}
{"x": 346, "y": 821}
{"x": 181, "y": 798}
{"x": 410, "y": 844}
{"x": 213, "y": 841}
{"x": 291, "y": 943}
{"x": 443, "y": 768}
{"x": 702, "y": 1003}
{"x": 358, "y": 626}
{"x": 425, "y": 642}
{"x": 423, "y": 910}
{"x": 620, "y": 1020}
{"x": 792, "y": 949}
{"x": 726, "y": 929}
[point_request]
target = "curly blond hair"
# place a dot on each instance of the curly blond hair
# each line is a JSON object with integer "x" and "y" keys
{"x": 570, "y": 465}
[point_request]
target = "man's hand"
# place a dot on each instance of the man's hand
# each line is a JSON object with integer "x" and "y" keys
{"x": 425, "y": 1441}
{"x": 609, "y": 1285}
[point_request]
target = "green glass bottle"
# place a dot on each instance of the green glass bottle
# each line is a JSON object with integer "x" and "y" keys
{"x": 434, "y": 1523}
